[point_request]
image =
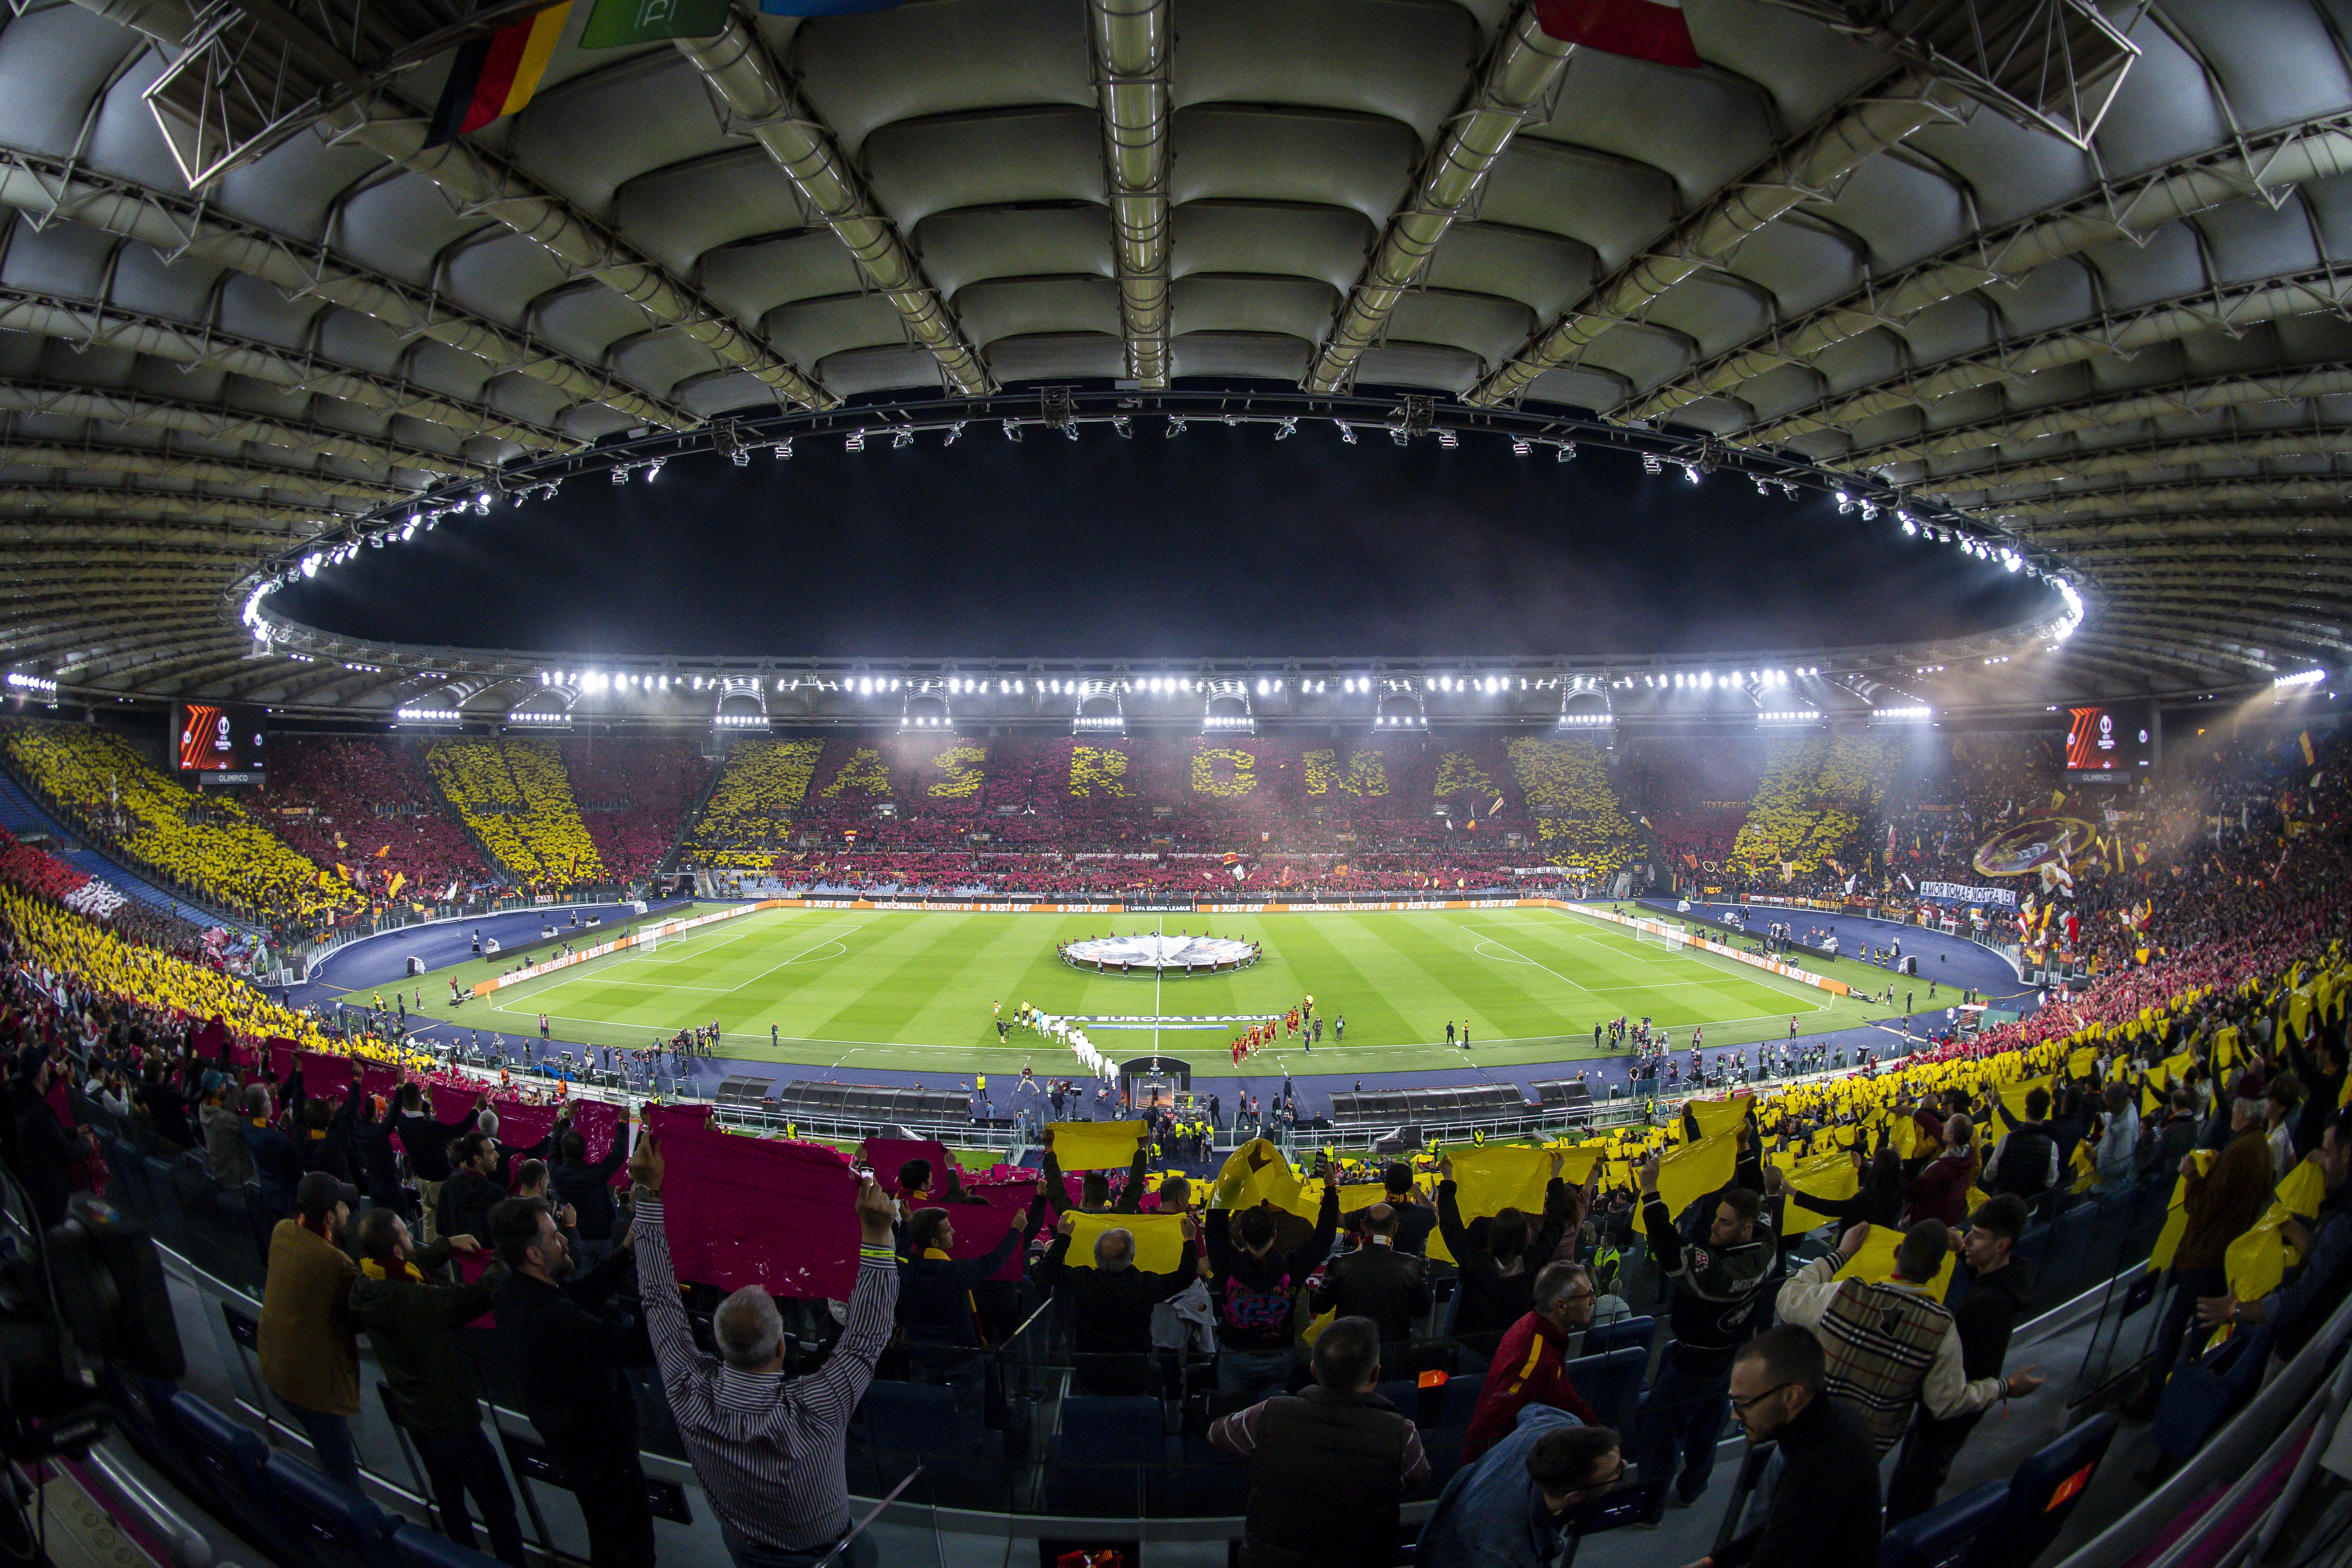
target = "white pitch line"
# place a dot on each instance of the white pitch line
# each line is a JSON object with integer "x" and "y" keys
{"x": 829, "y": 941}
{"x": 1523, "y": 958}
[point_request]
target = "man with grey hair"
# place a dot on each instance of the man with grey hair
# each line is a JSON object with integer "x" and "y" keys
{"x": 1108, "y": 1307}
{"x": 770, "y": 1451}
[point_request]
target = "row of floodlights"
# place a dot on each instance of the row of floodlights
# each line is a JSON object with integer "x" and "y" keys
{"x": 2301, "y": 678}
{"x": 1588, "y": 721}
{"x": 24, "y": 682}
{"x": 1902, "y": 715}
{"x": 739, "y": 720}
{"x": 1787, "y": 715}
{"x": 1706, "y": 680}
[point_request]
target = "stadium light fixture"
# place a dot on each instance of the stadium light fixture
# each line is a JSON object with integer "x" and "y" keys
{"x": 1012, "y": 429}
{"x": 1175, "y": 425}
{"x": 783, "y": 450}
{"x": 1904, "y": 715}
{"x": 653, "y": 469}
{"x": 1445, "y": 438}
{"x": 903, "y": 439}
{"x": 2301, "y": 678}
{"x": 1285, "y": 430}
{"x": 1910, "y": 527}
{"x": 1565, "y": 452}
{"x": 1346, "y": 431}
{"x": 954, "y": 430}
{"x": 1690, "y": 472}
{"x": 855, "y": 441}
{"x": 1399, "y": 437}
{"x": 1651, "y": 466}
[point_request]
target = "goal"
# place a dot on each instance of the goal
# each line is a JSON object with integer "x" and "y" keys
{"x": 1652, "y": 933}
{"x": 649, "y": 939}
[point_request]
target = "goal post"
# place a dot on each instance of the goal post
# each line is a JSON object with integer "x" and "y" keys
{"x": 649, "y": 939}
{"x": 1652, "y": 933}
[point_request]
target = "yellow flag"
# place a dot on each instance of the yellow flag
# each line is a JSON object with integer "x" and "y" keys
{"x": 1691, "y": 1173}
{"x": 1715, "y": 1115}
{"x": 1875, "y": 1261}
{"x": 1830, "y": 1175}
{"x": 399, "y": 881}
{"x": 1500, "y": 1176}
{"x": 1095, "y": 1145}
{"x": 2080, "y": 1063}
{"x": 2012, "y": 1095}
{"x": 1159, "y": 1238}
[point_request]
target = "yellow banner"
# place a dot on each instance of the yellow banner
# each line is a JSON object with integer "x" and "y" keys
{"x": 1875, "y": 1261}
{"x": 1825, "y": 1177}
{"x": 1159, "y": 1238}
{"x": 1689, "y": 1173}
{"x": 1095, "y": 1145}
{"x": 1715, "y": 1115}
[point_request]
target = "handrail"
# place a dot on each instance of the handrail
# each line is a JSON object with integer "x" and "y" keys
{"x": 2228, "y": 1453}
{"x": 189, "y": 1548}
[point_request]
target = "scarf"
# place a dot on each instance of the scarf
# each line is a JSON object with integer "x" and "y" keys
{"x": 408, "y": 1271}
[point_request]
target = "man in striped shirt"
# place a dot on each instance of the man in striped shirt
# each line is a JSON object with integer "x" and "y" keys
{"x": 769, "y": 1450}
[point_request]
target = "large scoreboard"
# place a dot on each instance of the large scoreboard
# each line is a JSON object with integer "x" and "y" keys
{"x": 217, "y": 738}
{"x": 2112, "y": 742}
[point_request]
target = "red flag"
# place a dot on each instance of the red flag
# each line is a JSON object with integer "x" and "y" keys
{"x": 1646, "y": 29}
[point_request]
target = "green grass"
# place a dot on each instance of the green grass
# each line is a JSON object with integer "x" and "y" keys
{"x": 907, "y": 989}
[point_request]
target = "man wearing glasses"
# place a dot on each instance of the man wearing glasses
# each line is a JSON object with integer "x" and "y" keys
{"x": 1824, "y": 1511}
{"x": 1511, "y": 1507}
{"x": 1530, "y": 1364}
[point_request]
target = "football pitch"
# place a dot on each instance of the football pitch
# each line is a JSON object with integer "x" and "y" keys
{"x": 916, "y": 990}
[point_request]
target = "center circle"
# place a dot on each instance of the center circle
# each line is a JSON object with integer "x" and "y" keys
{"x": 1157, "y": 953}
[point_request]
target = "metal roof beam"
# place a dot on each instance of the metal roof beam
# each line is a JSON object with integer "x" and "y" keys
{"x": 164, "y": 463}
{"x": 761, "y": 102}
{"x": 1817, "y": 161}
{"x": 2318, "y": 291}
{"x": 218, "y": 422}
{"x": 1521, "y": 67}
{"x": 2139, "y": 456}
{"x": 2266, "y": 165}
{"x": 2188, "y": 399}
{"x": 1132, "y": 40}
{"x": 87, "y": 324}
{"x": 176, "y": 225}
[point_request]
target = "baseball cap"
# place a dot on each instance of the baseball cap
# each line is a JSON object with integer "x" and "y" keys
{"x": 320, "y": 1192}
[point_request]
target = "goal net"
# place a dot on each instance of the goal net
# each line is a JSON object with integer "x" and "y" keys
{"x": 649, "y": 939}
{"x": 1652, "y": 934}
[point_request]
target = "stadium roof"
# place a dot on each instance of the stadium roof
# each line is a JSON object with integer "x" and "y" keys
{"x": 2079, "y": 292}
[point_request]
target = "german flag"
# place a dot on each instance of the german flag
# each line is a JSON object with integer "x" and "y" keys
{"x": 496, "y": 75}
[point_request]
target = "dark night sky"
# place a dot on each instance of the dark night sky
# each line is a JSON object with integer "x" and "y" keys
{"x": 1220, "y": 543}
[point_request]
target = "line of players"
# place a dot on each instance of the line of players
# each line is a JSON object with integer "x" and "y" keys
{"x": 1299, "y": 1025}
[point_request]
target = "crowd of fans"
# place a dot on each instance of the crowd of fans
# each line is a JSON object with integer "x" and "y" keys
{"x": 209, "y": 846}
{"x": 748, "y": 820}
{"x": 369, "y": 807}
{"x": 2164, "y": 1074}
{"x": 1811, "y": 805}
{"x": 633, "y": 795}
{"x": 516, "y": 798}
{"x": 1579, "y": 820}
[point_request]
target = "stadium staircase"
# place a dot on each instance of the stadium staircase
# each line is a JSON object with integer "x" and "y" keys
{"x": 23, "y": 815}
{"x": 668, "y": 862}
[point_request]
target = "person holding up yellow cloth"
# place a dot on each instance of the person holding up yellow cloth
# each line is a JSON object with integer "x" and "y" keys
{"x": 2294, "y": 1310}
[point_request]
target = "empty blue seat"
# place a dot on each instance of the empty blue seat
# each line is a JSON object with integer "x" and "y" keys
{"x": 230, "y": 1457}
{"x": 2042, "y": 1493}
{"x": 918, "y": 1418}
{"x": 1942, "y": 1536}
{"x": 1611, "y": 1383}
{"x": 1613, "y": 1336}
{"x": 1112, "y": 1429}
{"x": 420, "y": 1548}
{"x": 343, "y": 1526}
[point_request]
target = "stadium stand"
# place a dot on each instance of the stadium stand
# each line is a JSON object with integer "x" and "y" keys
{"x": 747, "y": 819}
{"x": 1579, "y": 819}
{"x": 1811, "y": 805}
{"x": 515, "y": 797}
{"x": 633, "y": 795}
{"x": 211, "y": 847}
{"x": 369, "y": 807}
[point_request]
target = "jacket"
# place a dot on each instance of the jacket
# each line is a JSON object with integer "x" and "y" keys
{"x": 226, "y": 1155}
{"x": 1110, "y": 1308}
{"x": 1328, "y": 1475}
{"x": 308, "y": 1356}
{"x": 1940, "y": 1190}
{"x": 1715, "y": 1287}
{"x": 1888, "y": 1347}
{"x": 567, "y": 1349}
{"x": 588, "y": 1188}
{"x": 1389, "y": 1287}
{"x": 413, "y": 1326}
{"x": 2222, "y": 1204}
{"x": 465, "y": 1204}
{"x": 1490, "y": 1515}
{"x": 1254, "y": 1295}
{"x": 1491, "y": 1299}
{"x": 935, "y": 1290}
{"x": 2026, "y": 1162}
{"x": 426, "y": 1142}
{"x": 277, "y": 1165}
{"x": 1530, "y": 1367}
{"x": 1987, "y": 1315}
{"x": 1825, "y": 1509}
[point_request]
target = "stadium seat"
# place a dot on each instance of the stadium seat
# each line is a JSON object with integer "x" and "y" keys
{"x": 343, "y": 1528}
{"x": 1617, "y": 1336}
{"x": 2042, "y": 1494}
{"x": 1120, "y": 1429}
{"x": 1941, "y": 1537}
{"x": 419, "y": 1548}
{"x": 920, "y": 1418}
{"x": 1611, "y": 1383}
{"x": 230, "y": 1455}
